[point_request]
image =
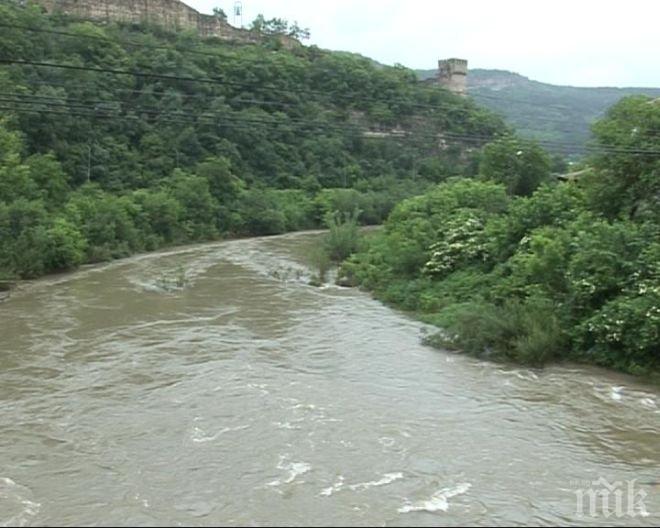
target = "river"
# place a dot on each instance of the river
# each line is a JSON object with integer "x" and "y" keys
{"x": 248, "y": 397}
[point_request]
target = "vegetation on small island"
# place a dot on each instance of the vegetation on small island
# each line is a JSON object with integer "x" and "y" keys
{"x": 514, "y": 266}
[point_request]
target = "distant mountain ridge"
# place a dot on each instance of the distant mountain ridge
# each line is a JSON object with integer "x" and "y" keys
{"x": 540, "y": 110}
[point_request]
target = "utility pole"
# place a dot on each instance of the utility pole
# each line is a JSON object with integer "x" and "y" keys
{"x": 238, "y": 14}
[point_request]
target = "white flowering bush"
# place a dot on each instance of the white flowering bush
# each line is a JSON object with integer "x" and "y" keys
{"x": 461, "y": 242}
{"x": 604, "y": 258}
{"x": 627, "y": 328}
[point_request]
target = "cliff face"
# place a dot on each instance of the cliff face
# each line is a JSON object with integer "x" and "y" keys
{"x": 170, "y": 14}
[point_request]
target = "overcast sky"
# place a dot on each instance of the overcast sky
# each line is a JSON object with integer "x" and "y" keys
{"x": 574, "y": 42}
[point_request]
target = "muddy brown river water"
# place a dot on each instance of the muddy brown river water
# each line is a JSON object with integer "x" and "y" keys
{"x": 248, "y": 397}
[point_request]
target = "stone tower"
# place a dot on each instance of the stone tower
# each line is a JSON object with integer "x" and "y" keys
{"x": 452, "y": 74}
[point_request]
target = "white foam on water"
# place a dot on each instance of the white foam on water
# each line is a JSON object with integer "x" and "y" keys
{"x": 615, "y": 393}
{"x": 199, "y": 436}
{"x": 648, "y": 402}
{"x": 14, "y": 499}
{"x": 138, "y": 498}
{"x": 388, "y": 478}
{"x": 386, "y": 441}
{"x": 438, "y": 501}
{"x": 295, "y": 469}
{"x": 261, "y": 387}
{"x": 526, "y": 375}
{"x": 337, "y": 486}
{"x": 306, "y": 407}
{"x": 286, "y": 425}
{"x": 322, "y": 419}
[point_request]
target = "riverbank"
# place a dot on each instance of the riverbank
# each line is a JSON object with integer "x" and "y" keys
{"x": 18, "y": 287}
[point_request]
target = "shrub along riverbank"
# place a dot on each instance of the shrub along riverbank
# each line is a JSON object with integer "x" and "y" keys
{"x": 515, "y": 267}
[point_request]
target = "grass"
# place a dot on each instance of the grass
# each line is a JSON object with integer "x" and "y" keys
{"x": 343, "y": 238}
{"x": 527, "y": 333}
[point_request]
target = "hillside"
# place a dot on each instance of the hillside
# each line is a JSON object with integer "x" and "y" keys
{"x": 121, "y": 137}
{"x": 541, "y": 110}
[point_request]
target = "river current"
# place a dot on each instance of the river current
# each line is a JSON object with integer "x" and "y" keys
{"x": 213, "y": 385}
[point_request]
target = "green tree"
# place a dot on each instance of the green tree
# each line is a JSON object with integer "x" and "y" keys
{"x": 198, "y": 207}
{"x": 15, "y": 181}
{"x": 47, "y": 174}
{"x": 279, "y": 26}
{"x": 159, "y": 215}
{"x": 65, "y": 246}
{"x": 105, "y": 222}
{"x": 518, "y": 164}
{"x": 627, "y": 176}
{"x": 23, "y": 238}
{"x": 220, "y": 13}
{"x": 223, "y": 184}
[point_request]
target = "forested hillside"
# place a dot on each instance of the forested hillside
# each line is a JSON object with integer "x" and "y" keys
{"x": 556, "y": 114}
{"x": 116, "y": 138}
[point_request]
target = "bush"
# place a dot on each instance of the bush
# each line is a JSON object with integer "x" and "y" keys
{"x": 105, "y": 222}
{"x": 527, "y": 332}
{"x": 461, "y": 242}
{"x": 198, "y": 207}
{"x": 65, "y": 246}
{"x": 551, "y": 205}
{"x": 257, "y": 214}
{"x": 320, "y": 261}
{"x": 296, "y": 206}
{"x": 520, "y": 165}
{"x": 23, "y": 226}
{"x": 343, "y": 238}
{"x": 158, "y": 215}
{"x": 624, "y": 334}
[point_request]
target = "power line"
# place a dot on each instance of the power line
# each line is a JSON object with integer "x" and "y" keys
{"x": 227, "y": 82}
{"x": 92, "y": 110}
{"x": 236, "y": 123}
{"x": 206, "y": 81}
{"x": 290, "y": 121}
{"x": 207, "y": 114}
{"x": 187, "y": 117}
{"x": 216, "y": 54}
{"x": 222, "y": 82}
{"x": 230, "y": 99}
{"x": 215, "y": 81}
